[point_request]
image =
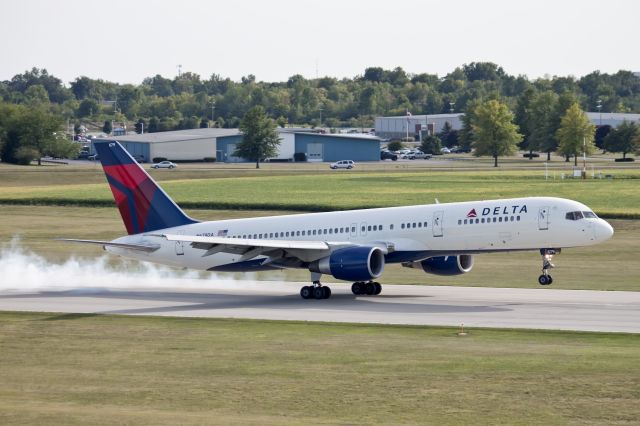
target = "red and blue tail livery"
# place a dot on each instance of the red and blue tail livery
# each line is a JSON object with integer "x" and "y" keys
{"x": 143, "y": 205}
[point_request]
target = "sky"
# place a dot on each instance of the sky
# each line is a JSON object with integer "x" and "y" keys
{"x": 125, "y": 41}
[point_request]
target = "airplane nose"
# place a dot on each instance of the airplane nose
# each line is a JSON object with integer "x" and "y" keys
{"x": 605, "y": 230}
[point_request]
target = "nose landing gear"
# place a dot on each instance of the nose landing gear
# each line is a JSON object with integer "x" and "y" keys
{"x": 547, "y": 255}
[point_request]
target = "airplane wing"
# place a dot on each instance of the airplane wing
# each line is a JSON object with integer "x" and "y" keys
{"x": 140, "y": 247}
{"x": 306, "y": 251}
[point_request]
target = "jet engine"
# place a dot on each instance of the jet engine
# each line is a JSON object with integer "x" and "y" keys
{"x": 351, "y": 264}
{"x": 444, "y": 265}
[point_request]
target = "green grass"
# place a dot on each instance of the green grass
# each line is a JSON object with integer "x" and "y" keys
{"x": 612, "y": 265}
{"x": 618, "y": 197}
{"x": 92, "y": 369}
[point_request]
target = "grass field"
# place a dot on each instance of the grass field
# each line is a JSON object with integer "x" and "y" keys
{"x": 305, "y": 188}
{"x": 87, "y": 369}
{"x": 612, "y": 265}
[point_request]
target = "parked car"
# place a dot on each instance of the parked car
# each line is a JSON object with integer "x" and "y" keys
{"x": 388, "y": 155}
{"x": 416, "y": 154}
{"x": 93, "y": 157}
{"x": 164, "y": 165}
{"x": 343, "y": 164}
{"x": 445, "y": 150}
{"x": 139, "y": 158}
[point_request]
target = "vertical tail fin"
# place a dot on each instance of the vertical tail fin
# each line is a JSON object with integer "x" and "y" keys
{"x": 143, "y": 205}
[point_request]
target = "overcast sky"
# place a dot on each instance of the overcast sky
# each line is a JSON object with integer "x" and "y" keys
{"x": 127, "y": 40}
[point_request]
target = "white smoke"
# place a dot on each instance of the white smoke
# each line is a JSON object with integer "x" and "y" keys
{"x": 22, "y": 270}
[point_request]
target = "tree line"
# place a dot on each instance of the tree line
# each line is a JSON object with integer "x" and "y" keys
{"x": 189, "y": 101}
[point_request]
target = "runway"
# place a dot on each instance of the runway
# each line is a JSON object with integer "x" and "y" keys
{"x": 540, "y": 308}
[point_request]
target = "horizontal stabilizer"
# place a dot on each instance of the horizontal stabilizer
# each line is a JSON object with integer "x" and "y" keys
{"x": 140, "y": 247}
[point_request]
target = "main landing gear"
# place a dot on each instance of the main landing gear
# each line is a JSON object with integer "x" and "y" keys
{"x": 315, "y": 291}
{"x": 370, "y": 289}
{"x": 547, "y": 255}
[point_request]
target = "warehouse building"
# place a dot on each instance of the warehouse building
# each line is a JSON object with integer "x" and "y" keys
{"x": 201, "y": 144}
{"x": 416, "y": 125}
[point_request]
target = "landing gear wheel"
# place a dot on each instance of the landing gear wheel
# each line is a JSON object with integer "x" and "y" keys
{"x": 327, "y": 292}
{"x": 369, "y": 289}
{"x": 318, "y": 292}
{"x": 378, "y": 289}
{"x": 545, "y": 279}
{"x": 306, "y": 292}
{"x": 357, "y": 288}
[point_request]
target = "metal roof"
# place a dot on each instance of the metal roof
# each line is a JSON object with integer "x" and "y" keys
{"x": 174, "y": 135}
{"x": 210, "y": 133}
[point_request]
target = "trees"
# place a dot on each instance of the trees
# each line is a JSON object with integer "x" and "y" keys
{"x": 623, "y": 139}
{"x": 431, "y": 145}
{"x": 494, "y": 133}
{"x": 395, "y": 146}
{"x": 542, "y": 112}
{"x": 576, "y": 133}
{"x": 260, "y": 138}
{"x": 29, "y": 133}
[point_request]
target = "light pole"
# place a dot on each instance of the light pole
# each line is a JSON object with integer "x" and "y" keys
{"x": 451, "y": 105}
{"x": 320, "y": 109}
{"x": 213, "y": 109}
{"x": 599, "y": 106}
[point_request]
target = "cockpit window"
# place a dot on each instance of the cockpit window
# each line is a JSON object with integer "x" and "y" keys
{"x": 580, "y": 215}
{"x": 574, "y": 216}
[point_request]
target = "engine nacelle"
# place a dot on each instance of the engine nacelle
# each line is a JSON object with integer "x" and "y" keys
{"x": 351, "y": 264}
{"x": 448, "y": 265}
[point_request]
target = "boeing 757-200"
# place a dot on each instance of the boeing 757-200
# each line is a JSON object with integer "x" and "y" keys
{"x": 351, "y": 245}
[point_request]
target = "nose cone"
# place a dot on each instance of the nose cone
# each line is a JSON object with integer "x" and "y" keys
{"x": 605, "y": 231}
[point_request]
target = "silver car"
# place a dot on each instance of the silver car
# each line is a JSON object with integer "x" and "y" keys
{"x": 164, "y": 165}
{"x": 343, "y": 164}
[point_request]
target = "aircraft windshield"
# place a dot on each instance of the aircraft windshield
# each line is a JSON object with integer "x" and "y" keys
{"x": 580, "y": 215}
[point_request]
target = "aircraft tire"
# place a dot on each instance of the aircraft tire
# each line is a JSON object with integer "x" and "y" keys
{"x": 378, "y": 289}
{"x": 369, "y": 289}
{"x": 318, "y": 293}
{"x": 544, "y": 279}
{"x": 357, "y": 288}
{"x": 326, "y": 292}
{"x": 306, "y": 292}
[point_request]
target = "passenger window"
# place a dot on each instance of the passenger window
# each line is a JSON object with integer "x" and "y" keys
{"x": 402, "y": 226}
{"x": 379, "y": 227}
{"x": 425, "y": 224}
{"x": 391, "y": 226}
{"x": 419, "y": 224}
{"x": 369, "y": 228}
{"x": 459, "y": 221}
{"x": 465, "y": 221}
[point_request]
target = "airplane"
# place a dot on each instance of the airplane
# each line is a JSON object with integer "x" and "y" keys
{"x": 353, "y": 246}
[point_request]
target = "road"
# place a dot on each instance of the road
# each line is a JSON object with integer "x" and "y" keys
{"x": 541, "y": 308}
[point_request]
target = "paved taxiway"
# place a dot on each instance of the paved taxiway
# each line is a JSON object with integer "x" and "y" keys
{"x": 542, "y": 308}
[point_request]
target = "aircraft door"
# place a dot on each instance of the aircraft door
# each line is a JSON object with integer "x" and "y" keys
{"x": 543, "y": 218}
{"x": 180, "y": 245}
{"x": 438, "y": 218}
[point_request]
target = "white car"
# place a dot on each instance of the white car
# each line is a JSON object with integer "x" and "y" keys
{"x": 164, "y": 165}
{"x": 343, "y": 164}
{"x": 445, "y": 150}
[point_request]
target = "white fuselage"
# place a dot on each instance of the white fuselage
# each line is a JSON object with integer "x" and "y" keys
{"x": 411, "y": 233}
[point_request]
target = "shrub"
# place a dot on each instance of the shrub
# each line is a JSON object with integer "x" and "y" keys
{"x": 159, "y": 159}
{"x": 395, "y": 146}
{"x": 619, "y": 160}
{"x": 531, "y": 155}
{"x": 25, "y": 155}
{"x": 300, "y": 156}
{"x": 209, "y": 159}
